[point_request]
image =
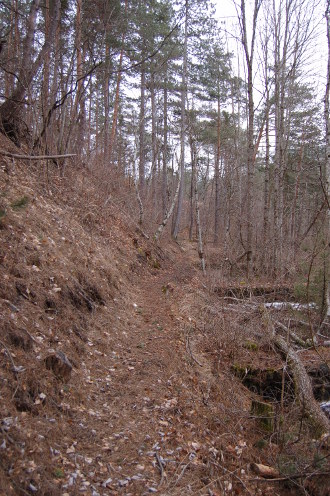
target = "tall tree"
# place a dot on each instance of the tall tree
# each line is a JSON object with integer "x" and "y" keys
{"x": 11, "y": 109}
{"x": 183, "y": 121}
{"x": 249, "y": 49}
{"x": 327, "y": 191}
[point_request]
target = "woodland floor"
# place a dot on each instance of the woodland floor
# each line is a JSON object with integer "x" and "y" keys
{"x": 152, "y": 405}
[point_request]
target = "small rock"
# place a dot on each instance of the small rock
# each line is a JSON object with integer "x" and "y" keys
{"x": 136, "y": 477}
{"x": 123, "y": 483}
{"x": 105, "y": 483}
{"x": 60, "y": 365}
{"x": 6, "y": 423}
{"x": 18, "y": 369}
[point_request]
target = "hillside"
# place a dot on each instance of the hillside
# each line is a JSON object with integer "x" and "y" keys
{"x": 121, "y": 366}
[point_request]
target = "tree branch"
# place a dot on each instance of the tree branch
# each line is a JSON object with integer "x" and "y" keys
{"x": 35, "y": 157}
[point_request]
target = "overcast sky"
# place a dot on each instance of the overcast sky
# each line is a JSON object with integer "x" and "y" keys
{"x": 317, "y": 57}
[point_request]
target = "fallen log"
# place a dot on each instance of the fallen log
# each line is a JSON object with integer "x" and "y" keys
{"x": 310, "y": 408}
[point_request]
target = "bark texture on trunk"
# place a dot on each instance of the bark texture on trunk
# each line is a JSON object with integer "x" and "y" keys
{"x": 310, "y": 408}
{"x": 327, "y": 121}
{"x": 10, "y": 111}
{"x": 183, "y": 124}
{"x": 217, "y": 176}
{"x": 162, "y": 226}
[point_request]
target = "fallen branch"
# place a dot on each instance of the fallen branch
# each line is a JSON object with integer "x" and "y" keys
{"x": 35, "y": 157}
{"x": 14, "y": 367}
{"x": 302, "y": 475}
{"x": 233, "y": 474}
{"x": 303, "y": 387}
{"x": 292, "y": 335}
{"x": 181, "y": 474}
{"x": 161, "y": 469}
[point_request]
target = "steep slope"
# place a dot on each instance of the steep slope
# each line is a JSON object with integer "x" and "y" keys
{"x": 151, "y": 403}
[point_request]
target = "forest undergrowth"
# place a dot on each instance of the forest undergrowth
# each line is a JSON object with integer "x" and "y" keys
{"x": 126, "y": 371}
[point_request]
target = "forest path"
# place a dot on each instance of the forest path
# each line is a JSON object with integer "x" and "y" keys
{"x": 151, "y": 394}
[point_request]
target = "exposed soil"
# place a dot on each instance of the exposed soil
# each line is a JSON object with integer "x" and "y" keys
{"x": 152, "y": 404}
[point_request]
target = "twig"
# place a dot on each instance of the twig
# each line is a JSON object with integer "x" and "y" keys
{"x": 30, "y": 335}
{"x": 233, "y": 474}
{"x": 229, "y": 472}
{"x": 15, "y": 369}
{"x": 172, "y": 485}
{"x": 9, "y": 355}
{"x": 294, "y": 336}
{"x": 161, "y": 468}
{"x": 290, "y": 477}
{"x": 181, "y": 474}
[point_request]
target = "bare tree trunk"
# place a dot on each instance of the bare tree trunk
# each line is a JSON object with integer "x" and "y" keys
{"x": 79, "y": 103}
{"x": 117, "y": 99}
{"x": 89, "y": 131}
{"x": 142, "y": 130}
{"x": 45, "y": 80}
{"x": 327, "y": 192}
{"x": 11, "y": 49}
{"x": 10, "y": 110}
{"x": 106, "y": 99}
{"x": 266, "y": 205}
{"x": 183, "y": 123}
{"x": 293, "y": 226}
{"x": 192, "y": 191}
{"x": 138, "y": 196}
{"x": 165, "y": 151}
{"x": 198, "y": 221}
{"x": 162, "y": 226}
{"x": 217, "y": 176}
{"x": 153, "y": 139}
{"x": 286, "y": 44}
{"x": 249, "y": 54}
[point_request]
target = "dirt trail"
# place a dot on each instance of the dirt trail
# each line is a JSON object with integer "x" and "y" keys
{"x": 142, "y": 397}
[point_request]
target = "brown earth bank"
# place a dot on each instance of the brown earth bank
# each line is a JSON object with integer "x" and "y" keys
{"x": 122, "y": 370}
